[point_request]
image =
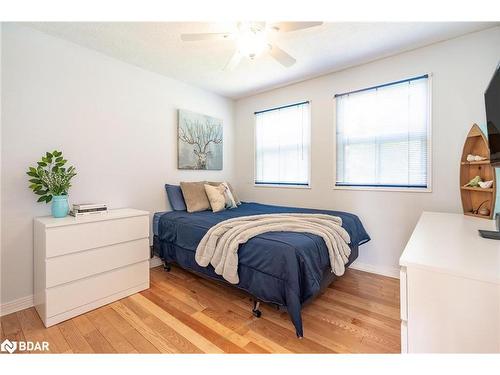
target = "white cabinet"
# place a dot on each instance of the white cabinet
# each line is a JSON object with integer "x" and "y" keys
{"x": 86, "y": 262}
{"x": 450, "y": 287}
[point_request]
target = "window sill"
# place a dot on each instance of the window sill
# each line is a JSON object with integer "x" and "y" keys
{"x": 283, "y": 186}
{"x": 386, "y": 189}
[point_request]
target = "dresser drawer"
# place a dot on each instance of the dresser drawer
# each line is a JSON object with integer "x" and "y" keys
{"x": 69, "y": 296}
{"x": 66, "y": 268}
{"x": 83, "y": 236}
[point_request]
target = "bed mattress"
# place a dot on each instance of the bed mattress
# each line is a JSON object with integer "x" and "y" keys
{"x": 284, "y": 268}
{"x": 156, "y": 221}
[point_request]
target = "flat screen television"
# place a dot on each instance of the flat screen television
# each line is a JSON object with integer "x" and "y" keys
{"x": 492, "y": 101}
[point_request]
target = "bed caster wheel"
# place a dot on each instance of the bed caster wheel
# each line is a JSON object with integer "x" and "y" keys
{"x": 167, "y": 267}
{"x": 257, "y": 313}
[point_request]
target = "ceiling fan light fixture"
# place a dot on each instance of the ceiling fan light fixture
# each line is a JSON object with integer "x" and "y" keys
{"x": 252, "y": 43}
{"x": 253, "y": 39}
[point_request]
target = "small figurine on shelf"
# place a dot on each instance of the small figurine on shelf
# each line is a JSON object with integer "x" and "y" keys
{"x": 477, "y": 182}
{"x": 486, "y": 184}
{"x": 471, "y": 157}
{"x": 474, "y": 182}
{"x": 484, "y": 211}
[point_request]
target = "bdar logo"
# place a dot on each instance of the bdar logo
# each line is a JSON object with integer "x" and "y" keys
{"x": 24, "y": 346}
{"x": 8, "y": 346}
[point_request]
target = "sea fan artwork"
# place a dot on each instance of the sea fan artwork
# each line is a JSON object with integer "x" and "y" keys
{"x": 199, "y": 141}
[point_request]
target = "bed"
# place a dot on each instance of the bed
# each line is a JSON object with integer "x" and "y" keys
{"x": 286, "y": 269}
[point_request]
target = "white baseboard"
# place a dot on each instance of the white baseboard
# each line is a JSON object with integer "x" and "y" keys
{"x": 16, "y": 305}
{"x": 27, "y": 302}
{"x": 379, "y": 270}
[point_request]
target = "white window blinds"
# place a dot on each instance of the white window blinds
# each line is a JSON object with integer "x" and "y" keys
{"x": 282, "y": 143}
{"x": 382, "y": 135}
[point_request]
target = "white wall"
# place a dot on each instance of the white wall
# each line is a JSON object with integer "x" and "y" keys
{"x": 1, "y": 26}
{"x": 461, "y": 70}
{"x": 115, "y": 123}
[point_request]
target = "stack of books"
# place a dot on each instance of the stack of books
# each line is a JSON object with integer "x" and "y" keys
{"x": 84, "y": 209}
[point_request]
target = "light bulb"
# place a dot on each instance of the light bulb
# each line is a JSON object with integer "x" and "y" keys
{"x": 252, "y": 43}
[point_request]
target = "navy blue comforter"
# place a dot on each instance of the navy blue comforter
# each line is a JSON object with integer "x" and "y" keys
{"x": 284, "y": 268}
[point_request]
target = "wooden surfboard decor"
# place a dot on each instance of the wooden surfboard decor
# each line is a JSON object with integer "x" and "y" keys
{"x": 476, "y": 200}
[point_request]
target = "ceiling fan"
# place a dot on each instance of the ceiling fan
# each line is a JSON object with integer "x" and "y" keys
{"x": 253, "y": 39}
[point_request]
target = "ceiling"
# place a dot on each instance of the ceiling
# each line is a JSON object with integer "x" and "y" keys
{"x": 156, "y": 46}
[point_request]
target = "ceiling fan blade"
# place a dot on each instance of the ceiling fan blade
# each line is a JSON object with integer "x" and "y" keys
{"x": 204, "y": 36}
{"x": 292, "y": 26}
{"x": 233, "y": 62}
{"x": 281, "y": 56}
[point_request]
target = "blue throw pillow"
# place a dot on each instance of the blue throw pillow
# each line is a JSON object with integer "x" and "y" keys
{"x": 175, "y": 197}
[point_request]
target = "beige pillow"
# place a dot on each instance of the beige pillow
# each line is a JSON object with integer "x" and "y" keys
{"x": 233, "y": 193}
{"x": 216, "y": 197}
{"x": 195, "y": 196}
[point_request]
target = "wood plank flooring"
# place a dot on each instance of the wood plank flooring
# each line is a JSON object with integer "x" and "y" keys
{"x": 183, "y": 313}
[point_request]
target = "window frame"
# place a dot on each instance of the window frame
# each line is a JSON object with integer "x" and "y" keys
{"x": 427, "y": 189}
{"x": 282, "y": 185}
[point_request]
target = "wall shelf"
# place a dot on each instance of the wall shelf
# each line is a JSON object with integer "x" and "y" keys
{"x": 488, "y": 190}
{"x": 476, "y": 215}
{"x": 475, "y": 162}
{"x": 474, "y": 197}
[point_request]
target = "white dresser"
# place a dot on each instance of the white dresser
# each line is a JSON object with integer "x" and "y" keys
{"x": 450, "y": 287}
{"x": 86, "y": 262}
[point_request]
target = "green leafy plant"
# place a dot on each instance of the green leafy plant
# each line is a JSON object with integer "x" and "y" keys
{"x": 51, "y": 177}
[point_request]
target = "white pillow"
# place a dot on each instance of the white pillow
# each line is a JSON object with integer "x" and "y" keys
{"x": 216, "y": 197}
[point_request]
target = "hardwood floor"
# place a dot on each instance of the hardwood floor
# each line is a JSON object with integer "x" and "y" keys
{"x": 183, "y": 313}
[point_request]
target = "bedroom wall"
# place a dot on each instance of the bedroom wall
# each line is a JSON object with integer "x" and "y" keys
{"x": 116, "y": 123}
{"x": 461, "y": 70}
{"x": 1, "y": 26}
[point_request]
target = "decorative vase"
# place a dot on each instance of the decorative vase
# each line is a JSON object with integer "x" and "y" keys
{"x": 60, "y": 207}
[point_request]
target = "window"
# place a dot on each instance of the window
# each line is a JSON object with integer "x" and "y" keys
{"x": 383, "y": 135}
{"x": 282, "y": 140}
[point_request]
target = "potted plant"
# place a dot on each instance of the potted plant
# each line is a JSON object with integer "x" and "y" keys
{"x": 51, "y": 181}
